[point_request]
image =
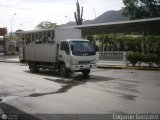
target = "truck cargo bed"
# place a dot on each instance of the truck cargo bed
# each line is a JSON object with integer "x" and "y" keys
{"x": 40, "y": 52}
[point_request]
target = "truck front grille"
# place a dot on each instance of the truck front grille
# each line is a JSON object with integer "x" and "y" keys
{"x": 84, "y": 62}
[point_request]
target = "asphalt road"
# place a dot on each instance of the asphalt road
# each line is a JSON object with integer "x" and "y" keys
{"x": 103, "y": 92}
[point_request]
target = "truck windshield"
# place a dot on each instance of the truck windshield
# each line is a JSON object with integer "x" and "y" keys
{"x": 82, "y": 48}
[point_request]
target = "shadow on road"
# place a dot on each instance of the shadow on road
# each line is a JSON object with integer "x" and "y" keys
{"x": 44, "y": 72}
{"x": 66, "y": 85}
{"x": 69, "y": 82}
{"x": 77, "y": 79}
{"x": 73, "y": 76}
{"x": 13, "y": 113}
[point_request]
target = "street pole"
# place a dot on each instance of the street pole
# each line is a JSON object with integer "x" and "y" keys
{"x": 142, "y": 43}
{"x": 94, "y": 12}
{"x": 12, "y": 21}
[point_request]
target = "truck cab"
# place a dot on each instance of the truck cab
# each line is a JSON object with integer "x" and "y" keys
{"x": 76, "y": 55}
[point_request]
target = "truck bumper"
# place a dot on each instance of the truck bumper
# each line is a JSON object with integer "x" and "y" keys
{"x": 82, "y": 67}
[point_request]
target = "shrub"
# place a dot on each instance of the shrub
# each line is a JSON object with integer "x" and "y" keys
{"x": 133, "y": 58}
{"x": 148, "y": 58}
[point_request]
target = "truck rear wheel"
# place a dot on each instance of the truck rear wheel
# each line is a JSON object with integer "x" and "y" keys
{"x": 86, "y": 72}
{"x": 63, "y": 71}
{"x": 33, "y": 67}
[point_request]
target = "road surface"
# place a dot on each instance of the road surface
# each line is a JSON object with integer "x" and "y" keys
{"x": 103, "y": 92}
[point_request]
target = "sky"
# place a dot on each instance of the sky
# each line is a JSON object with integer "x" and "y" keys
{"x": 26, "y": 14}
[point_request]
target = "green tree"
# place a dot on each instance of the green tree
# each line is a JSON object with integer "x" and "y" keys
{"x": 139, "y": 9}
{"x": 78, "y": 15}
{"x": 46, "y": 25}
{"x": 153, "y": 7}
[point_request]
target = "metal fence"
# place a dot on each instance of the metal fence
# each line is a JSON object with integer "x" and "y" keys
{"x": 110, "y": 55}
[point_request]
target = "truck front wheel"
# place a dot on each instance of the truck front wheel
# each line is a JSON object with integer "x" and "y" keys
{"x": 63, "y": 70}
{"x": 33, "y": 67}
{"x": 86, "y": 72}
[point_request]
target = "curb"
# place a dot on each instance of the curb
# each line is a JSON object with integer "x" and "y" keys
{"x": 125, "y": 67}
{"x": 110, "y": 67}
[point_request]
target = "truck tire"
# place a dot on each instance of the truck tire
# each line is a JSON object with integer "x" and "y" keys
{"x": 33, "y": 67}
{"x": 86, "y": 72}
{"x": 63, "y": 70}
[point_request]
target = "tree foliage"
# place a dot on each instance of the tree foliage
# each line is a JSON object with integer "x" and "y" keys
{"x": 78, "y": 15}
{"x": 46, "y": 25}
{"x": 123, "y": 42}
{"x": 139, "y": 9}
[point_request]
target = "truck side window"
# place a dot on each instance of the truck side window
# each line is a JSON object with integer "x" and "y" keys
{"x": 65, "y": 47}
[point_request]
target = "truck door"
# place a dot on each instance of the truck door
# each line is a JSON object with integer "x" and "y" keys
{"x": 64, "y": 53}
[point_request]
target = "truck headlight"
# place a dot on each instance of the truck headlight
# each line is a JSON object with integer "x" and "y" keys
{"x": 75, "y": 62}
{"x": 93, "y": 61}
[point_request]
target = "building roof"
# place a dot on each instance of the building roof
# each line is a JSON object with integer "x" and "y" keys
{"x": 142, "y": 25}
{"x": 147, "y": 25}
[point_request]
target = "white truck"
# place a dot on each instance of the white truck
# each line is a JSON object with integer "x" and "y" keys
{"x": 57, "y": 49}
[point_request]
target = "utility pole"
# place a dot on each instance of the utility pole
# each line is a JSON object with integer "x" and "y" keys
{"x": 12, "y": 21}
{"x": 94, "y": 12}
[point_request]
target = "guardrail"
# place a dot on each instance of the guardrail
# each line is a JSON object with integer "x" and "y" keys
{"x": 112, "y": 53}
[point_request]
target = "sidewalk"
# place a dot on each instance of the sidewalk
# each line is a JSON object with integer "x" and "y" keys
{"x": 101, "y": 63}
{"x": 121, "y": 65}
{"x": 9, "y": 58}
{"x": 106, "y": 64}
